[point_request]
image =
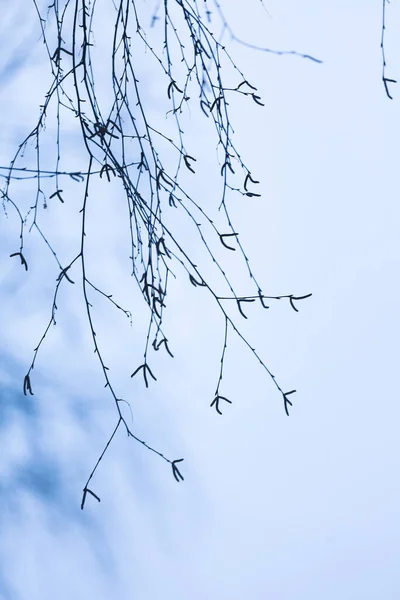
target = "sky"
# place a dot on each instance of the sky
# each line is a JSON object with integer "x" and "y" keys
{"x": 298, "y": 508}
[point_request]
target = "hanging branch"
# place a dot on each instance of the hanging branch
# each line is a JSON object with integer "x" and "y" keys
{"x": 122, "y": 144}
{"x": 386, "y": 80}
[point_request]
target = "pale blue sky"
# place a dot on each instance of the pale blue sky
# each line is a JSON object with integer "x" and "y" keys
{"x": 297, "y": 508}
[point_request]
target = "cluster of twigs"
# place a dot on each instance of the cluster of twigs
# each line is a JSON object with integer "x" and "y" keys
{"x": 122, "y": 143}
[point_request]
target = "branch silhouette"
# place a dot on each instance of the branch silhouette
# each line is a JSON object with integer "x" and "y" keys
{"x": 123, "y": 145}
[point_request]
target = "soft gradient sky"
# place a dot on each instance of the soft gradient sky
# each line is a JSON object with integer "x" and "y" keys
{"x": 299, "y": 508}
